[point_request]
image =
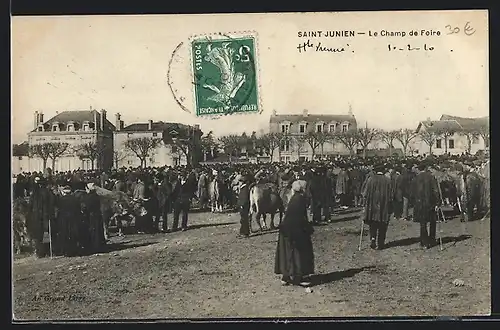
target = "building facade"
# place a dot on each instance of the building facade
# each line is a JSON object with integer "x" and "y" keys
{"x": 20, "y": 158}
{"x": 74, "y": 129}
{"x": 296, "y": 126}
{"x": 457, "y": 142}
{"x": 161, "y": 155}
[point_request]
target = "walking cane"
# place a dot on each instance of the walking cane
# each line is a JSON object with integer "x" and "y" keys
{"x": 439, "y": 230}
{"x": 50, "y": 240}
{"x": 361, "y": 236}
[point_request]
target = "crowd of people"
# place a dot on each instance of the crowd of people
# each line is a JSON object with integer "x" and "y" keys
{"x": 71, "y": 203}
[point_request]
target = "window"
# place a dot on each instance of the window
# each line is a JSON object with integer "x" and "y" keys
{"x": 174, "y": 149}
{"x": 332, "y": 128}
{"x": 55, "y": 139}
{"x": 285, "y": 145}
{"x": 319, "y": 128}
{"x": 55, "y": 128}
{"x": 20, "y": 157}
{"x": 155, "y": 134}
{"x": 71, "y": 127}
{"x": 451, "y": 144}
{"x": 344, "y": 128}
{"x": 302, "y": 128}
{"x": 40, "y": 128}
{"x": 86, "y": 127}
{"x": 285, "y": 128}
{"x": 438, "y": 144}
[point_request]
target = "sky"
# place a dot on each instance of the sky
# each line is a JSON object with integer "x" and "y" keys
{"x": 121, "y": 64}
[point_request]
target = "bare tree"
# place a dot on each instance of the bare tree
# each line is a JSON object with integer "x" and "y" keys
{"x": 484, "y": 132}
{"x": 388, "y": 138}
{"x": 284, "y": 139}
{"x": 142, "y": 147}
{"x": 269, "y": 142}
{"x": 365, "y": 137}
{"x": 405, "y": 136}
{"x": 208, "y": 145}
{"x": 231, "y": 144}
{"x": 41, "y": 151}
{"x": 471, "y": 135}
{"x": 322, "y": 138}
{"x": 298, "y": 142}
{"x": 312, "y": 139}
{"x": 429, "y": 137}
{"x": 92, "y": 151}
{"x": 118, "y": 156}
{"x": 349, "y": 139}
{"x": 56, "y": 150}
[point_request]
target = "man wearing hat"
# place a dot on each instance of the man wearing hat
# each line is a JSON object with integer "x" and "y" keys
{"x": 425, "y": 199}
{"x": 378, "y": 206}
{"x": 41, "y": 212}
{"x": 244, "y": 206}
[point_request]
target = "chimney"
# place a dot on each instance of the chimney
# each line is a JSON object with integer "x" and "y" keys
{"x": 305, "y": 112}
{"x": 90, "y": 108}
{"x": 274, "y": 112}
{"x": 35, "y": 120}
{"x": 150, "y": 125}
{"x": 102, "y": 119}
{"x": 118, "y": 122}
{"x": 350, "y": 110}
{"x": 40, "y": 118}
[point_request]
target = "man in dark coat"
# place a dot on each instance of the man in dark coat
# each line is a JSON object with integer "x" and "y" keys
{"x": 317, "y": 194}
{"x": 69, "y": 219}
{"x": 294, "y": 253}
{"x": 378, "y": 206}
{"x": 164, "y": 192}
{"x": 342, "y": 187}
{"x": 356, "y": 181}
{"x": 94, "y": 219}
{"x": 42, "y": 203}
{"x": 182, "y": 192}
{"x": 244, "y": 206}
{"x": 425, "y": 198}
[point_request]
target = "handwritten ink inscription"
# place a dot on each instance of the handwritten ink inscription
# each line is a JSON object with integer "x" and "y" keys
{"x": 319, "y": 47}
{"x": 410, "y": 48}
{"x": 467, "y": 30}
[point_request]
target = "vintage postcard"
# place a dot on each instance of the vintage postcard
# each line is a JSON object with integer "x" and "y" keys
{"x": 331, "y": 164}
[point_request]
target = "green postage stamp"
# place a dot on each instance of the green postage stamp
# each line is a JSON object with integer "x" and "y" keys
{"x": 225, "y": 79}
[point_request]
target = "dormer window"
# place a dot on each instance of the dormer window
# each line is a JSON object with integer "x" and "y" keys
{"x": 285, "y": 128}
{"x": 332, "y": 128}
{"x": 70, "y": 126}
{"x": 302, "y": 128}
{"x": 86, "y": 126}
{"x": 55, "y": 128}
{"x": 319, "y": 128}
{"x": 345, "y": 127}
{"x": 40, "y": 128}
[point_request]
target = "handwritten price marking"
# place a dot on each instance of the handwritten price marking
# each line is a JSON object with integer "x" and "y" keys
{"x": 468, "y": 29}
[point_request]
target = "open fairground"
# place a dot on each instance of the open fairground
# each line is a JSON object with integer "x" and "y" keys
{"x": 207, "y": 271}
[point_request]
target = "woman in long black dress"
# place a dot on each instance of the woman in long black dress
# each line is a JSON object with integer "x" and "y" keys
{"x": 294, "y": 253}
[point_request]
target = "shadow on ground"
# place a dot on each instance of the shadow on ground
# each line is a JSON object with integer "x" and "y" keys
{"x": 336, "y": 276}
{"x": 414, "y": 240}
{"x": 206, "y": 225}
{"x": 113, "y": 247}
{"x": 344, "y": 219}
{"x": 264, "y": 232}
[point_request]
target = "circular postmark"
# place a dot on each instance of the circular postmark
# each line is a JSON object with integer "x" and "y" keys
{"x": 234, "y": 63}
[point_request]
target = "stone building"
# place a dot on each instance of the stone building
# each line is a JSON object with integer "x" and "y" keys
{"x": 76, "y": 129}
{"x": 457, "y": 142}
{"x": 20, "y": 158}
{"x": 296, "y": 125}
{"x": 161, "y": 155}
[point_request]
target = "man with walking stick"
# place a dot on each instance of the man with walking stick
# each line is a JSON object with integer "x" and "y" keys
{"x": 378, "y": 207}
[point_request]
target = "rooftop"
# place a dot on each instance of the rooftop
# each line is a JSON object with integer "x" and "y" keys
{"x": 158, "y": 126}
{"x": 454, "y": 123}
{"x": 312, "y": 118}
{"x": 19, "y": 150}
{"x": 79, "y": 116}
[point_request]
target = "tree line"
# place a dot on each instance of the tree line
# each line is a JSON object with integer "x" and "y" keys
{"x": 234, "y": 145}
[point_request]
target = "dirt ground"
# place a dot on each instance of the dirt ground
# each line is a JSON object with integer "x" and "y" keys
{"x": 208, "y": 272}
